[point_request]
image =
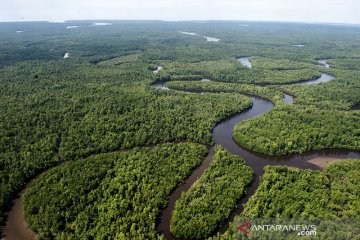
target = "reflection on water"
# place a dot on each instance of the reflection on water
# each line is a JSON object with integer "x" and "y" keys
{"x": 157, "y": 69}
{"x": 245, "y": 61}
{"x": 160, "y": 86}
{"x": 209, "y": 39}
{"x": 101, "y": 24}
{"x": 288, "y": 99}
{"x": 324, "y": 63}
{"x": 325, "y": 77}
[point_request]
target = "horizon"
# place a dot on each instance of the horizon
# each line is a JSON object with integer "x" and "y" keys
{"x": 184, "y": 20}
{"x": 319, "y": 11}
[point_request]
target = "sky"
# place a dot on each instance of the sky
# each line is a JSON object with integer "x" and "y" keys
{"x": 335, "y": 11}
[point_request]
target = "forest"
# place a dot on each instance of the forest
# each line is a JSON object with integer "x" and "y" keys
{"x": 297, "y": 196}
{"x": 91, "y": 130}
{"x": 287, "y": 129}
{"x": 75, "y": 116}
{"x": 109, "y": 196}
{"x": 272, "y": 94}
{"x": 200, "y": 210}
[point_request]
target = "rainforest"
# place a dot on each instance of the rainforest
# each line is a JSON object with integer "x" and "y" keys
{"x": 178, "y": 130}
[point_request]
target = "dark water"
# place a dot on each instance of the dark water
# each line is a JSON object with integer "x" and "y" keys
{"x": 356, "y": 107}
{"x": 16, "y": 228}
{"x": 160, "y": 86}
{"x": 222, "y": 134}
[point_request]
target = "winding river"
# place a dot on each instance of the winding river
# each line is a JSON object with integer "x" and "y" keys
{"x": 222, "y": 135}
{"x": 16, "y": 227}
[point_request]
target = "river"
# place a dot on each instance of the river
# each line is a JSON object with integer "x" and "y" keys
{"x": 222, "y": 135}
{"x": 16, "y": 228}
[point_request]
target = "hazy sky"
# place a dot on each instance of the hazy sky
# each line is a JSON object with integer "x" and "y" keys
{"x": 341, "y": 11}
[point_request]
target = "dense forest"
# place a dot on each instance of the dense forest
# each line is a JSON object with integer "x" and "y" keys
{"x": 73, "y": 116}
{"x": 109, "y": 196}
{"x": 289, "y": 129}
{"x": 274, "y": 95}
{"x": 210, "y": 200}
{"x": 329, "y": 199}
{"x": 94, "y": 111}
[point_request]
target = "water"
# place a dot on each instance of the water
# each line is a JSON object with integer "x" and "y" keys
{"x": 101, "y": 24}
{"x": 16, "y": 227}
{"x": 222, "y": 135}
{"x": 324, "y": 63}
{"x": 245, "y": 61}
{"x": 325, "y": 77}
{"x": 288, "y": 99}
{"x": 157, "y": 69}
{"x": 209, "y": 39}
{"x": 189, "y": 33}
{"x": 160, "y": 86}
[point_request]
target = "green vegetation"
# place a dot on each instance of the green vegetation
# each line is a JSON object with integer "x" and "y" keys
{"x": 341, "y": 93}
{"x": 350, "y": 64}
{"x": 289, "y": 193}
{"x": 199, "y": 211}
{"x": 99, "y": 100}
{"x": 54, "y": 111}
{"x": 279, "y": 64}
{"x": 196, "y": 86}
{"x": 231, "y": 70}
{"x": 328, "y": 199}
{"x": 109, "y": 196}
{"x": 291, "y": 129}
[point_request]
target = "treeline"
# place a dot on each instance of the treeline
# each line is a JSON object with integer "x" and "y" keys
{"x": 279, "y": 64}
{"x": 341, "y": 93}
{"x": 231, "y": 70}
{"x": 213, "y": 86}
{"x": 208, "y": 203}
{"x": 329, "y": 200}
{"x": 349, "y": 64}
{"x": 109, "y": 196}
{"x": 294, "y": 129}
